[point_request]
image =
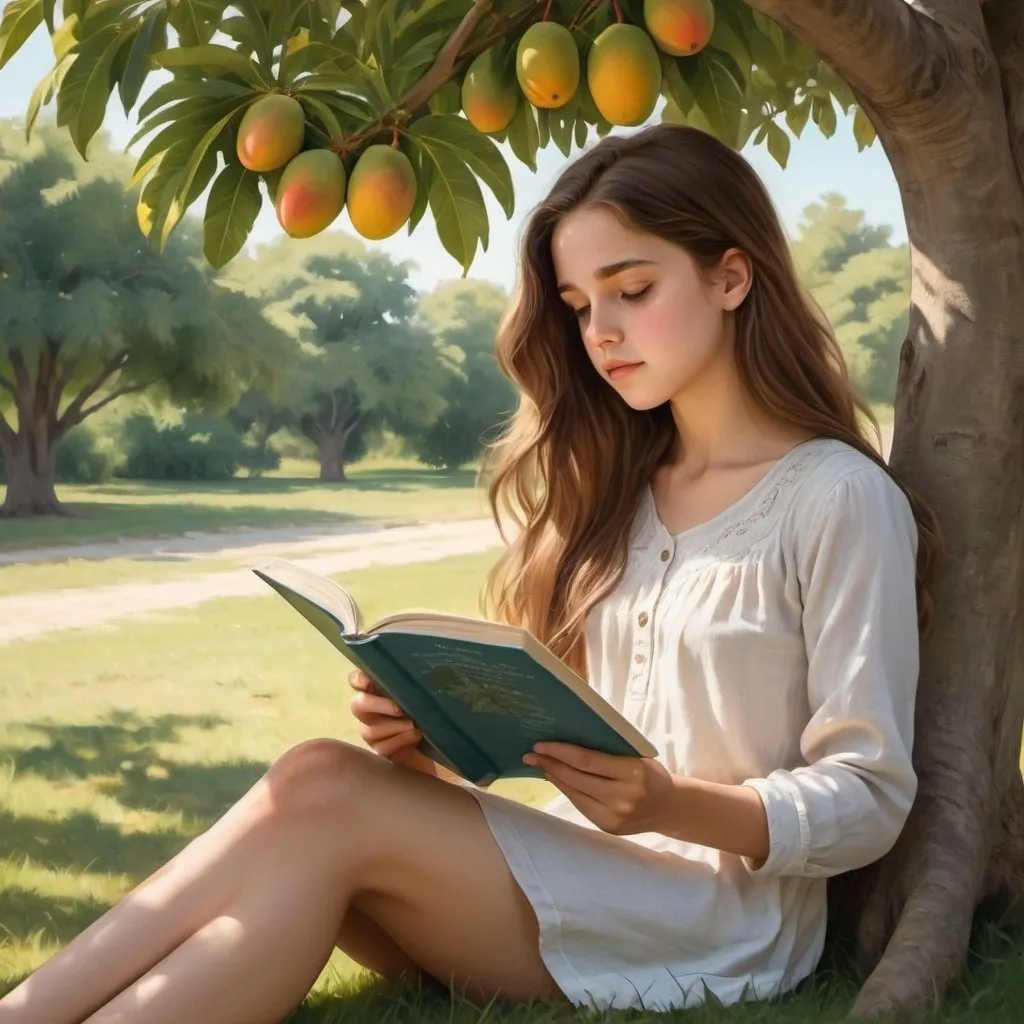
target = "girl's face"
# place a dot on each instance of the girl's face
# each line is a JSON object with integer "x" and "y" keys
{"x": 653, "y": 326}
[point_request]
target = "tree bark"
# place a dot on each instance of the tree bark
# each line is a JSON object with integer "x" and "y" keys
{"x": 332, "y": 448}
{"x": 958, "y": 441}
{"x": 28, "y": 465}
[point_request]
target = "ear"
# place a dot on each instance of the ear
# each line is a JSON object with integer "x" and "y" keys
{"x": 733, "y": 278}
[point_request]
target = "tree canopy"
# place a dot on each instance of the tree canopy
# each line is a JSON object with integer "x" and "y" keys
{"x": 89, "y": 313}
{"x": 386, "y": 71}
{"x": 359, "y": 349}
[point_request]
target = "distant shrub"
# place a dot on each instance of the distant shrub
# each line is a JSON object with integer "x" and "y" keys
{"x": 201, "y": 447}
{"x": 80, "y": 459}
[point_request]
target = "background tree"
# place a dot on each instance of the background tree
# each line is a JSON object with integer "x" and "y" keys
{"x": 862, "y": 282}
{"x": 361, "y": 356}
{"x": 940, "y": 81}
{"x": 89, "y": 312}
{"x": 478, "y": 396}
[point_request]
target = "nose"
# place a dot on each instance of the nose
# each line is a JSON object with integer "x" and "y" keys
{"x": 602, "y": 329}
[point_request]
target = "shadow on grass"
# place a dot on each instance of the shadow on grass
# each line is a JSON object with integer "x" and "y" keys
{"x": 120, "y": 758}
{"x": 81, "y": 842}
{"x": 384, "y": 479}
{"x": 106, "y": 521}
{"x": 27, "y": 914}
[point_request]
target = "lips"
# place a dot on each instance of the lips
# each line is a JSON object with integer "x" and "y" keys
{"x": 617, "y": 369}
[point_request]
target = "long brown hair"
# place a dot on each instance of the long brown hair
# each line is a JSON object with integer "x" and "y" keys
{"x": 571, "y": 465}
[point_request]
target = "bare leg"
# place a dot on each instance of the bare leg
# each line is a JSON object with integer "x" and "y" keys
{"x": 237, "y": 928}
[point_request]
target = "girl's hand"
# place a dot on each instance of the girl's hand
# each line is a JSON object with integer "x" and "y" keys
{"x": 620, "y": 795}
{"x": 383, "y": 726}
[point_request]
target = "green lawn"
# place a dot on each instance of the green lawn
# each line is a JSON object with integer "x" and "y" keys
{"x": 388, "y": 491}
{"x": 117, "y": 746}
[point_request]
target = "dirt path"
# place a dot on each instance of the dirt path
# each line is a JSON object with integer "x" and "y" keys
{"x": 34, "y": 614}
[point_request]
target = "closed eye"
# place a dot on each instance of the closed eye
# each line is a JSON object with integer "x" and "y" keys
{"x": 626, "y": 297}
{"x": 636, "y": 296}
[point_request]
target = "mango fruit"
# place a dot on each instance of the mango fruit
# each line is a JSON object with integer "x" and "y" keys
{"x": 271, "y": 132}
{"x": 680, "y": 27}
{"x": 381, "y": 191}
{"x": 311, "y": 193}
{"x": 489, "y": 100}
{"x": 624, "y": 74}
{"x": 547, "y": 64}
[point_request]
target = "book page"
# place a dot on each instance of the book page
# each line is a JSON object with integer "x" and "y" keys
{"x": 318, "y": 590}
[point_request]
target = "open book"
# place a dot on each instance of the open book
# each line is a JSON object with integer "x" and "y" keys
{"x": 482, "y": 693}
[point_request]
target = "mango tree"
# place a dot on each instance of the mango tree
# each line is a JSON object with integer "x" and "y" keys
{"x": 403, "y": 102}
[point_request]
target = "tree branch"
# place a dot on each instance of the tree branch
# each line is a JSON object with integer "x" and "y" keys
{"x": 22, "y": 380}
{"x": 886, "y": 50}
{"x": 7, "y": 434}
{"x": 444, "y": 65}
{"x": 72, "y": 414}
{"x": 128, "y": 389}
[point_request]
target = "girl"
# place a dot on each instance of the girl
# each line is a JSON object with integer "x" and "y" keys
{"x": 704, "y": 531}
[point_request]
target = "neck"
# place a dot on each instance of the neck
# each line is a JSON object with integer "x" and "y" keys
{"x": 719, "y": 425}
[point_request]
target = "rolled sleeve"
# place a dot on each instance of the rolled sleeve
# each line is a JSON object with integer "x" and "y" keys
{"x": 846, "y": 805}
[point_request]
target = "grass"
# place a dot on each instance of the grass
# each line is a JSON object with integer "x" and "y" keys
{"x": 292, "y": 497}
{"x": 117, "y": 746}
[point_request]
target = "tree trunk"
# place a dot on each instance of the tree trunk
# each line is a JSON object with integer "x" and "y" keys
{"x": 332, "y": 448}
{"x": 958, "y": 441}
{"x": 28, "y": 466}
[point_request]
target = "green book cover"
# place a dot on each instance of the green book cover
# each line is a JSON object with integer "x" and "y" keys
{"x": 481, "y": 692}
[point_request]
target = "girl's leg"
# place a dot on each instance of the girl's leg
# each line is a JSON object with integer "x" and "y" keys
{"x": 238, "y": 926}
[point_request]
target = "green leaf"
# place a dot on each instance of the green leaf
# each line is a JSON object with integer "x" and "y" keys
{"x": 580, "y": 132}
{"x": 824, "y": 114}
{"x": 152, "y": 29}
{"x": 405, "y": 69}
{"x": 231, "y": 210}
{"x": 282, "y": 18}
{"x": 725, "y": 38}
{"x": 863, "y": 130}
{"x": 543, "y": 127}
{"x": 718, "y": 95}
{"x": 83, "y": 96}
{"x": 346, "y": 105}
{"x": 523, "y": 135}
{"x": 188, "y": 130}
{"x": 326, "y": 116}
{"x": 257, "y": 36}
{"x": 561, "y": 130}
{"x": 762, "y": 47}
{"x": 20, "y": 19}
{"x": 457, "y": 204}
{"x": 315, "y": 57}
{"x": 796, "y": 116}
{"x": 459, "y": 137}
{"x": 213, "y": 57}
{"x": 208, "y": 139}
{"x": 159, "y": 211}
{"x": 778, "y": 143}
{"x": 353, "y": 87}
{"x": 190, "y": 88}
{"x": 49, "y": 7}
{"x": 674, "y": 86}
{"x": 424, "y": 178}
{"x": 195, "y": 21}
{"x": 41, "y": 97}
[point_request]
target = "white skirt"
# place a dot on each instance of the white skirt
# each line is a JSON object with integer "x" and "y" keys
{"x": 624, "y": 926}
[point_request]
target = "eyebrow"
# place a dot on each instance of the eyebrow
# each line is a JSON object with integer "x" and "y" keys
{"x": 603, "y": 273}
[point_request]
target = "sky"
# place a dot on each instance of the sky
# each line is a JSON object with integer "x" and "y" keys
{"x": 816, "y": 165}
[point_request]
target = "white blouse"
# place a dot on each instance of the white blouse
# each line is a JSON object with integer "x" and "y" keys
{"x": 774, "y": 646}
